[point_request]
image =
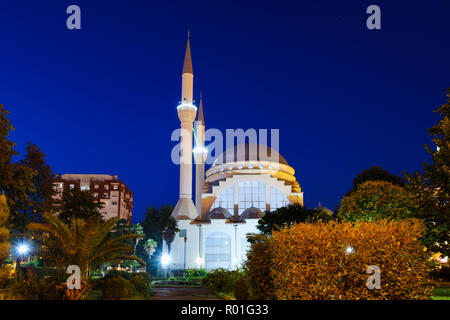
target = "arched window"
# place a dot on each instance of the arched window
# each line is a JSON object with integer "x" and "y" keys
{"x": 217, "y": 251}
{"x": 277, "y": 199}
{"x": 225, "y": 200}
{"x": 252, "y": 194}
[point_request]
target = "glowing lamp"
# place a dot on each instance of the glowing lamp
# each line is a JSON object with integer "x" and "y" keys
{"x": 349, "y": 250}
{"x": 23, "y": 249}
{"x": 165, "y": 260}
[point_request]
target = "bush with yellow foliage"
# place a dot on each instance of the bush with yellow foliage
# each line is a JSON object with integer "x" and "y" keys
{"x": 330, "y": 261}
{"x": 4, "y": 235}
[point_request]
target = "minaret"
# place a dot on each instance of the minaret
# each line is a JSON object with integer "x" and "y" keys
{"x": 185, "y": 208}
{"x": 200, "y": 154}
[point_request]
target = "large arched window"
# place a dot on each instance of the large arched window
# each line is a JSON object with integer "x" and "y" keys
{"x": 252, "y": 194}
{"x": 225, "y": 200}
{"x": 217, "y": 251}
{"x": 277, "y": 199}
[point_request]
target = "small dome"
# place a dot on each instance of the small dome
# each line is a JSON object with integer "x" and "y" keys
{"x": 324, "y": 210}
{"x": 248, "y": 152}
{"x": 252, "y": 213}
{"x": 219, "y": 213}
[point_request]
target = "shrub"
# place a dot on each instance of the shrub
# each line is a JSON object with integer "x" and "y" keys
{"x": 30, "y": 287}
{"x": 118, "y": 273}
{"x": 4, "y": 276}
{"x": 259, "y": 264}
{"x": 95, "y": 295}
{"x": 142, "y": 282}
{"x": 242, "y": 289}
{"x": 222, "y": 280}
{"x": 195, "y": 273}
{"x": 118, "y": 288}
{"x": 311, "y": 261}
{"x": 373, "y": 200}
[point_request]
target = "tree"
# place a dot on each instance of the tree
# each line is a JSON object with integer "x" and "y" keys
{"x": 42, "y": 197}
{"x": 15, "y": 178}
{"x": 285, "y": 217}
{"x": 18, "y": 192}
{"x": 376, "y": 173}
{"x": 123, "y": 227}
{"x": 431, "y": 189}
{"x": 4, "y": 232}
{"x": 374, "y": 200}
{"x": 79, "y": 204}
{"x": 156, "y": 221}
{"x": 87, "y": 243}
{"x": 7, "y": 151}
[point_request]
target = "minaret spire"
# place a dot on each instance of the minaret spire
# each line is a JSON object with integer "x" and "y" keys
{"x": 187, "y": 66}
{"x": 200, "y": 111}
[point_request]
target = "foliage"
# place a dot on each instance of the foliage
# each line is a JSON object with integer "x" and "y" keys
{"x": 156, "y": 222}
{"x": 123, "y": 227}
{"x": 4, "y": 232}
{"x": 432, "y": 188}
{"x": 118, "y": 288}
{"x": 142, "y": 282}
{"x": 242, "y": 289}
{"x": 222, "y": 280}
{"x": 86, "y": 243}
{"x": 76, "y": 203}
{"x": 373, "y": 200}
{"x": 376, "y": 173}
{"x": 118, "y": 273}
{"x": 31, "y": 287}
{"x": 4, "y": 276}
{"x": 321, "y": 267}
{"x": 286, "y": 216}
{"x": 27, "y": 183}
{"x": 195, "y": 273}
{"x": 259, "y": 264}
{"x": 7, "y": 151}
{"x": 41, "y": 199}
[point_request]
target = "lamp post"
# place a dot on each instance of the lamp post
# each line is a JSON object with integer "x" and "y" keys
{"x": 22, "y": 250}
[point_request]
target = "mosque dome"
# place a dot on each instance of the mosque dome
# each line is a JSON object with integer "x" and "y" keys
{"x": 324, "y": 210}
{"x": 250, "y": 159}
{"x": 249, "y": 152}
{"x": 219, "y": 213}
{"x": 252, "y": 213}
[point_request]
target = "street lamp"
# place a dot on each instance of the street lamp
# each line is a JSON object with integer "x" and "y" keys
{"x": 22, "y": 250}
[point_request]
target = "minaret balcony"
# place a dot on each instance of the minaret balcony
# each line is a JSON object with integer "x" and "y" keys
{"x": 186, "y": 106}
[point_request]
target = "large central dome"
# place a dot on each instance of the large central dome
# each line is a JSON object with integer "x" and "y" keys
{"x": 249, "y": 152}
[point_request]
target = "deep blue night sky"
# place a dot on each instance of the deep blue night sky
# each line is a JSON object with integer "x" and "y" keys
{"x": 103, "y": 99}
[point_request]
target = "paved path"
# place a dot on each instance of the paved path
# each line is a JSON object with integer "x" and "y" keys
{"x": 164, "y": 293}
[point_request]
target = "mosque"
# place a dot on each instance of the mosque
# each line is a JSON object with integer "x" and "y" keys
{"x": 230, "y": 197}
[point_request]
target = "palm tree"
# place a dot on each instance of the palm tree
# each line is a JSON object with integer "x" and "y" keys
{"x": 87, "y": 243}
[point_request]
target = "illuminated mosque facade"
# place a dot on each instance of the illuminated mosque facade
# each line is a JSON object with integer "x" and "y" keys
{"x": 230, "y": 197}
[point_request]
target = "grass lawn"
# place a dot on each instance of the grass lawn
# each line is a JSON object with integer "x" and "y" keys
{"x": 442, "y": 292}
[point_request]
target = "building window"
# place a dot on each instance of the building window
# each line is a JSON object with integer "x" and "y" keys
{"x": 96, "y": 186}
{"x": 225, "y": 200}
{"x": 114, "y": 203}
{"x": 71, "y": 186}
{"x": 217, "y": 251}
{"x": 116, "y": 187}
{"x": 106, "y": 187}
{"x": 84, "y": 188}
{"x": 252, "y": 194}
{"x": 277, "y": 199}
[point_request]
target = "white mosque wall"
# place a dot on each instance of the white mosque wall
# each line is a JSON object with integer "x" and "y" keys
{"x": 213, "y": 245}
